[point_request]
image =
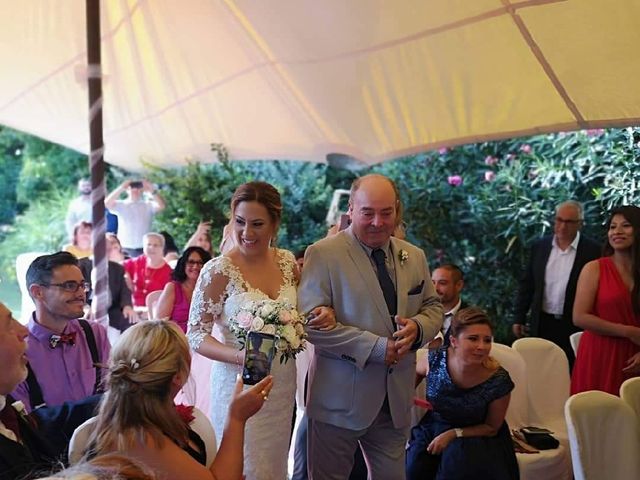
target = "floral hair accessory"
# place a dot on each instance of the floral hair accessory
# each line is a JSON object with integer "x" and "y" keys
{"x": 185, "y": 412}
{"x": 134, "y": 364}
{"x": 403, "y": 256}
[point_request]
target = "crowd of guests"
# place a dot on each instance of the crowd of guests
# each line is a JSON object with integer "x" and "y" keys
{"x": 371, "y": 303}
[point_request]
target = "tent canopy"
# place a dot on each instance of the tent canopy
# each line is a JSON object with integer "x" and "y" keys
{"x": 301, "y": 79}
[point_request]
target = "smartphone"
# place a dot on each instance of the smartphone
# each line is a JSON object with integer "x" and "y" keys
{"x": 136, "y": 184}
{"x": 258, "y": 355}
{"x": 345, "y": 221}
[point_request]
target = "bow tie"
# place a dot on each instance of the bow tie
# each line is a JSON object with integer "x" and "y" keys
{"x": 55, "y": 340}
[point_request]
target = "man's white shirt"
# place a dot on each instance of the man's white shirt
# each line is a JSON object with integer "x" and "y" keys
{"x": 556, "y": 276}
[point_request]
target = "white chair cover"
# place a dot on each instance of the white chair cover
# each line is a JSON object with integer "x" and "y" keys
{"x": 604, "y": 437}
{"x": 547, "y": 464}
{"x": 421, "y": 392}
{"x": 630, "y": 393}
{"x": 574, "y": 339}
{"x": 548, "y": 386}
{"x": 512, "y": 362}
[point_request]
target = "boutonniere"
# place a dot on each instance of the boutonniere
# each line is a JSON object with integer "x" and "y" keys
{"x": 403, "y": 255}
{"x": 186, "y": 413}
{"x": 19, "y": 407}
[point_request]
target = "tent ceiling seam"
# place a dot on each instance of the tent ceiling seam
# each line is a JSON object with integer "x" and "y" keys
{"x": 546, "y": 66}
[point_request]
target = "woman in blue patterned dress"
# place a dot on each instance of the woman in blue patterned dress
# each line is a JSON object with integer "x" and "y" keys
{"x": 465, "y": 436}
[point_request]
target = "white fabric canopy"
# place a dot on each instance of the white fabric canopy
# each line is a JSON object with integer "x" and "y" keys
{"x": 299, "y": 79}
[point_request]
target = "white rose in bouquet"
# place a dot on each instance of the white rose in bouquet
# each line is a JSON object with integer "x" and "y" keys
{"x": 269, "y": 329}
{"x": 257, "y": 324}
{"x": 290, "y": 335}
{"x": 266, "y": 310}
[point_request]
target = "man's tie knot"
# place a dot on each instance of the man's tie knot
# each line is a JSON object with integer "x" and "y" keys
{"x": 378, "y": 256}
{"x": 55, "y": 340}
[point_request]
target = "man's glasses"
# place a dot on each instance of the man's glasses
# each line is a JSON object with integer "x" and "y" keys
{"x": 71, "y": 286}
{"x": 567, "y": 222}
{"x": 194, "y": 263}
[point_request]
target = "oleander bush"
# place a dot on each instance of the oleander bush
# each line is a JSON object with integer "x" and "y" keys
{"x": 478, "y": 206}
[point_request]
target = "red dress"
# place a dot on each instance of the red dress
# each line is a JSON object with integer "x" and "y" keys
{"x": 145, "y": 279}
{"x": 601, "y": 358}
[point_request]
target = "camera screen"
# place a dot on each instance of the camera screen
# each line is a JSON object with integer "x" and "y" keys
{"x": 260, "y": 348}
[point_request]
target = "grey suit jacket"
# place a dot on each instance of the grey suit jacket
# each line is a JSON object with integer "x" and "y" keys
{"x": 345, "y": 388}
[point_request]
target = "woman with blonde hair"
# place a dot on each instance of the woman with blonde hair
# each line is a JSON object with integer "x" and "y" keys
{"x": 148, "y": 366}
{"x": 465, "y": 435}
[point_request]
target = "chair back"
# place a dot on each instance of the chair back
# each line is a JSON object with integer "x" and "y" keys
{"x": 518, "y": 411}
{"x": 152, "y": 301}
{"x": 630, "y": 393}
{"x": 603, "y": 435}
{"x": 548, "y": 380}
{"x": 574, "y": 340}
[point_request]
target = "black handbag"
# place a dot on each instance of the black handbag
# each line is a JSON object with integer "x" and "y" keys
{"x": 541, "y": 441}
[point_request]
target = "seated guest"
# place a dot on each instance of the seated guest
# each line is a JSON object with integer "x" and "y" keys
{"x": 81, "y": 240}
{"x": 23, "y": 447}
{"x": 106, "y": 467}
{"x": 114, "y": 248}
{"x": 201, "y": 238}
{"x": 170, "y": 250}
{"x": 64, "y": 351}
{"x": 147, "y": 367}
{"x": 148, "y": 272}
{"x": 465, "y": 435}
{"x": 121, "y": 313}
{"x": 175, "y": 300}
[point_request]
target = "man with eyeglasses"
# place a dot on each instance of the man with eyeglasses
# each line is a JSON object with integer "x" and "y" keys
{"x": 548, "y": 284}
{"x": 65, "y": 354}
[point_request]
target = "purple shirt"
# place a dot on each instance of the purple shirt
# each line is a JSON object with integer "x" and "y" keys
{"x": 65, "y": 373}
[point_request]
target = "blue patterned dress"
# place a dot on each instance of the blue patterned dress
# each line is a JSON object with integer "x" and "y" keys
{"x": 486, "y": 458}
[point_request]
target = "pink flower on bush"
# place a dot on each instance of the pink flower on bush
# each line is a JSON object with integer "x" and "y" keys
{"x": 454, "y": 180}
{"x": 489, "y": 176}
{"x": 245, "y": 319}
{"x": 490, "y": 160}
{"x": 595, "y": 132}
{"x": 526, "y": 148}
{"x": 443, "y": 150}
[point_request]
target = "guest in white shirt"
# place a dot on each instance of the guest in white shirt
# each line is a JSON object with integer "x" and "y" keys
{"x": 448, "y": 281}
{"x": 548, "y": 285}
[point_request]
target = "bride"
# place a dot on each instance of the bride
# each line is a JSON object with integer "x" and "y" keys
{"x": 251, "y": 270}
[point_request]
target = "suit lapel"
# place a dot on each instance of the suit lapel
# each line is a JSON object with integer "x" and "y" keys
{"x": 402, "y": 279}
{"x": 363, "y": 265}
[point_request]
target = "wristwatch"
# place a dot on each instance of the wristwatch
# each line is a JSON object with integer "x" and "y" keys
{"x": 459, "y": 432}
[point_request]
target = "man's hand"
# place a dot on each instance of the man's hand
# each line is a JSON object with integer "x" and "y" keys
{"x": 519, "y": 330}
{"x": 322, "y": 318}
{"x": 406, "y": 335}
{"x": 391, "y": 356}
{"x": 130, "y": 314}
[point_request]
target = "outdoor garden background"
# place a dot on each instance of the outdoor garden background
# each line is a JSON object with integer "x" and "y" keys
{"x": 477, "y": 205}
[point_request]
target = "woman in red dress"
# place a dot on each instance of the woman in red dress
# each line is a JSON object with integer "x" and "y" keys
{"x": 607, "y": 307}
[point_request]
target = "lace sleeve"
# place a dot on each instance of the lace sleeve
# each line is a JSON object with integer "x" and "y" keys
{"x": 207, "y": 301}
{"x": 288, "y": 266}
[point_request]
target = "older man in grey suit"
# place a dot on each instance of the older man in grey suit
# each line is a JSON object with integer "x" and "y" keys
{"x": 361, "y": 377}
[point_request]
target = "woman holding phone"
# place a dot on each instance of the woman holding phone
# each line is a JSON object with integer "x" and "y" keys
{"x": 252, "y": 270}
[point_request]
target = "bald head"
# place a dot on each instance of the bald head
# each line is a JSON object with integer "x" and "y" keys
{"x": 374, "y": 208}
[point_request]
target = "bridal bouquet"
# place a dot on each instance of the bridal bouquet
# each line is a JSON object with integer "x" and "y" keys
{"x": 273, "y": 317}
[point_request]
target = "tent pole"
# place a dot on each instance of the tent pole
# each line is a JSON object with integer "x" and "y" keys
{"x": 96, "y": 164}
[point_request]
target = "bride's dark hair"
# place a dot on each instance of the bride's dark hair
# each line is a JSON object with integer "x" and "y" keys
{"x": 261, "y": 192}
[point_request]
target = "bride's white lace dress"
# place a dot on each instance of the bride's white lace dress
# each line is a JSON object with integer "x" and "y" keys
{"x": 268, "y": 432}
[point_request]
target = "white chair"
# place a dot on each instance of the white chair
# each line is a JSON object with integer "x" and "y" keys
{"x": 547, "y": 464}
{"x": 630, "y": 393}
{"x": 151, "y": 302}
{"x": 418, "y": 412}
{"x": 574, "y": 340}
{"x": 604, "y": 437}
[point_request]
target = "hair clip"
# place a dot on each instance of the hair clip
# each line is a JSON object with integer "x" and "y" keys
{"x": 134, "y": 364}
